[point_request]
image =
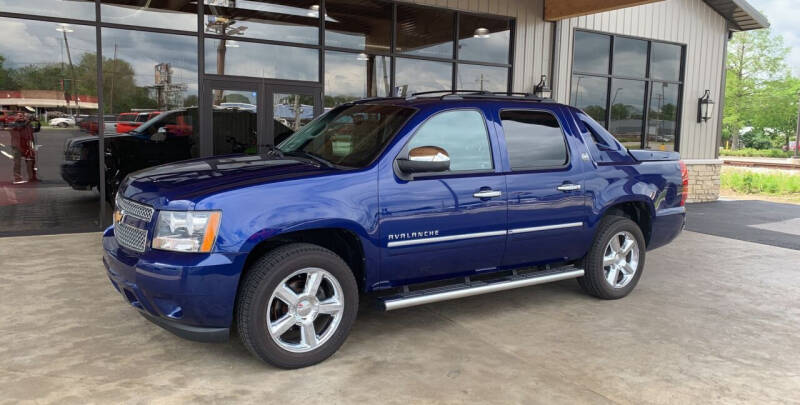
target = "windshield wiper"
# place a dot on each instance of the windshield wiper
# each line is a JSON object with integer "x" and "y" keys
{"x": 311, "y": 156}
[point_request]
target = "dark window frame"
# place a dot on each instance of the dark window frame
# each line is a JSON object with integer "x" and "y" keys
{"x": 568, "y": 161}
{"x": 647, "y": 79}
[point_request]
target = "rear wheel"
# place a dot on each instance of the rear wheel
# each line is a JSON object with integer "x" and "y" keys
{"x": 296, "y": 305}
{"x": 62, "y": 125}
{"x": 615, "y": 261}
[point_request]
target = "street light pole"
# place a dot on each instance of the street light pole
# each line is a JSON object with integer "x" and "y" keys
{"x": 797, "y": 133}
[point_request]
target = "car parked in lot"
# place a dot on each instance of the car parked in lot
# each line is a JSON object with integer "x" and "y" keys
{"x": 417, "y": 200}
{"x": 62, "y": 122}
{"x": 127, "y": 122}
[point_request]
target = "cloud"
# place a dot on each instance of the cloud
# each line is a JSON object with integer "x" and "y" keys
{"x": 782, "y": 15}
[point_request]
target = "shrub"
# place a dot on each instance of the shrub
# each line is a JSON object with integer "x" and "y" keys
{"x": 750, "y": 152}
{"x": 749, "y": 182}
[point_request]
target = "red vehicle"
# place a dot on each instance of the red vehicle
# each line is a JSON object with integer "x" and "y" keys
{"x": 129, "y": 121}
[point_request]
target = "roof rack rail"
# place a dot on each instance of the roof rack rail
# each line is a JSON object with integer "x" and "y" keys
{"x": 460, "y": 94}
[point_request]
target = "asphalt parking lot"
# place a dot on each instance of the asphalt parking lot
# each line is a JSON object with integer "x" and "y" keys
{"x": 713, "y": 320}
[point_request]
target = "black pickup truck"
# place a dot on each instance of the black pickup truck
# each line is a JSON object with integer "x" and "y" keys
{"x": 169, "y": 137}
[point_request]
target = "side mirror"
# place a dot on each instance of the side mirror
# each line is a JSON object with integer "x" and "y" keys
{"x": 160, "y": 135}
{"x": 425, "y": 159}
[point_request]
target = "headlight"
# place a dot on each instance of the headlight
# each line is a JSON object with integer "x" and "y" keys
{"x": 186, "y": 231}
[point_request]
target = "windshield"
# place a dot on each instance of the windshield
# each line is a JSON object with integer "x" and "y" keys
{"x": 350, "y": 136}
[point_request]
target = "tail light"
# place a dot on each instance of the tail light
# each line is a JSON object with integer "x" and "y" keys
{"x": 684, "y": 182}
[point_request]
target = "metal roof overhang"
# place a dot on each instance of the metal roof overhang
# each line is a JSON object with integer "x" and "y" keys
{"x": 741, "y": 15}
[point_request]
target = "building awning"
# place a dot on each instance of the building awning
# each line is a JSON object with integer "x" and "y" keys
{"x": 741, "y": 15}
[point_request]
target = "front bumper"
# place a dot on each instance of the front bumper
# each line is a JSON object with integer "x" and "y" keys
{"x": 80, "y": 174}
{"x": 191, "y": 295}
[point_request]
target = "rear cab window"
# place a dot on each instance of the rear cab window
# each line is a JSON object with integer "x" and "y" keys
{"x": 534, "y": 140}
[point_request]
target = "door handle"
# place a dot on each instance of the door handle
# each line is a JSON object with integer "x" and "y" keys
{"x": 569, "y": 187}
{"x": 487, "y": 194}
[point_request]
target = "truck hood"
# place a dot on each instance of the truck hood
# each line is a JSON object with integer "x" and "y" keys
{"x": 191, "y": 180}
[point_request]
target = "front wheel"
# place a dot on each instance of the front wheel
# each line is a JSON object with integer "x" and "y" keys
{"x": 296, "y": 305}
{"x": 615, "y": 261}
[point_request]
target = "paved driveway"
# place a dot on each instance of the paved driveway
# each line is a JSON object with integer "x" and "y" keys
{"x": 764, "y": 222}
{"x": 713, "y": 320}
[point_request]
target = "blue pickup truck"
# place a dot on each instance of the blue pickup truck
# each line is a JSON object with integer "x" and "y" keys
{"x": 412, "y": 200}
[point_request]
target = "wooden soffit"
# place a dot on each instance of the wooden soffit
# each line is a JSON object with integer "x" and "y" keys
{"x": 555, "y": 10}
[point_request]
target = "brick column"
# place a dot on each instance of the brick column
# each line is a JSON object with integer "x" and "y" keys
{"x": 704, "y": 181}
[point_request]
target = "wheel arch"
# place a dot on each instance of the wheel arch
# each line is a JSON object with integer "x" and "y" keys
{"x": 639, "y": 210}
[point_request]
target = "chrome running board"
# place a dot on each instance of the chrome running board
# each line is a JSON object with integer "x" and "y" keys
{"x": 469, "y": 288}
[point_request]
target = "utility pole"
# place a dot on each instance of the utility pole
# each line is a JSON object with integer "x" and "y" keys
{"x": 797, "y": 132}
{"x": 113, "y": 74}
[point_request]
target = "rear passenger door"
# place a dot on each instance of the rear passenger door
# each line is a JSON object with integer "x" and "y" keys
{"x": 546, "y": 201}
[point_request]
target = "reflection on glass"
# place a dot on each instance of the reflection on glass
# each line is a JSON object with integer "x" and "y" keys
{"x": 627, "y": 111}
{"x": 591, "y": 52}
{"x": 149, "y": 77}
{"x": 229, "y": 57}
{"x": 358, "y": 24}
{"x": 287, "y": 20}
{"x": 234, "y": 121}
{"x": 533, "y": 139}
{"x": 425, "y": 31}
{"x": 351, "y": 76}
{"x": 630, "y": 57}
{"x": 423, "y": 75}
{"x": 462, "y": 133}
{"x": 292, "y": 110}
{"x": 590, "y": 94}
{"x": 663, "y": 117}
{"x": 485, "y": 78}
{"x": 48, "y": 76}
{"x": 483, "y": 39}
{"x": 77, "y": 9}
{"x": 665, "y": 62}
{"x": 179, "y": 15}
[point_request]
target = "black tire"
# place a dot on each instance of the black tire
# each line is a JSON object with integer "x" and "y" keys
{"x": 62, "y": 125}
{"x": 264, "y": 276}
{"x": 594, "y": 281}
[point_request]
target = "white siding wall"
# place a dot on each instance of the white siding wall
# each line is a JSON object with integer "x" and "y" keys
{"x": 533, "y": 40}
{"x": 689, "y": 22}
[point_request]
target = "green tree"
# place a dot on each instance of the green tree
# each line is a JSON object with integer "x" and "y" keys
{"x": 758, "y": 81}
{"x": 6, "y": 81}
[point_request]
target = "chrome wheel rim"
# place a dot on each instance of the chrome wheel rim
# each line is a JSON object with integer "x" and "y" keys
{"x": 621, "y": 259}
{"x": 305, "y": 310}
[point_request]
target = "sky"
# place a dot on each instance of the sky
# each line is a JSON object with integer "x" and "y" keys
{"x": 783, "y": 18}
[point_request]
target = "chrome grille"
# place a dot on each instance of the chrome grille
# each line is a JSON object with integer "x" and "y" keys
{"x": 135, "y": 209}
{"x": 131, "y": 237}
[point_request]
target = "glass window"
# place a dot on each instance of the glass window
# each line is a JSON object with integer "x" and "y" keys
{"x": 358, "y": 24}
{"x": 627, "y": 111}
{"x": 477, "y": 77}
{"x": 533, "y": 139}
{"x": 47, "y": 176}
{"x": 423, "y": 75}
{"x": 231, "y": 57}
{"x": 590, "y": 94}
{"x": 665, "y": 61}
{"x": 462, "y": 133}
{"x": 591, "y": 52}
{"x": 351, "y": 76}
{"x": 77, "y": 9}
{"x": 180, "y": 15}
{"x": 483, "y": 39}
{"x": 425, "y": 31}
{"x": 662, "y": 120}
{"x": 630, "y": 57}
{"x": 288, "y": 20}
{"x": 350, "y": 136}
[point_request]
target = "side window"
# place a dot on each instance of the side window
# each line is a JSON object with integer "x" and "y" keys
{"x": 534, "y": 139}
{"x": 462, "y": 133}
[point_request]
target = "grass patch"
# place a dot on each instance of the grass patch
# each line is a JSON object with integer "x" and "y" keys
{"x": 750, "y": 152}
{"x": 749, "y": 182}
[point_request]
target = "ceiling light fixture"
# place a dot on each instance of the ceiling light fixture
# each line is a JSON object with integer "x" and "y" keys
{"x": 481, "y": 32}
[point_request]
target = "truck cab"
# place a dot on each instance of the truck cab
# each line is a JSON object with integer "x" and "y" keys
{"x": 412, "y": 200}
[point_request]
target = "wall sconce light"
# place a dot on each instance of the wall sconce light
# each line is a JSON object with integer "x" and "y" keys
{"x": 542, "y": 90}
{"x": 705, "y": 107}
{"x": 481, "y": 33}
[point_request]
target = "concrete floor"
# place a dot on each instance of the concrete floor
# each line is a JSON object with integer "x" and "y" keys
{"x": 712, "y": 320}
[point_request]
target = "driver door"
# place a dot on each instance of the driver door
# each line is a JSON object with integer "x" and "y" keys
{"x": 444, "y": 224}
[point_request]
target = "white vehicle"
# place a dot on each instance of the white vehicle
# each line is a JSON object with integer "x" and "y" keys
{"x": 62, "y": 122}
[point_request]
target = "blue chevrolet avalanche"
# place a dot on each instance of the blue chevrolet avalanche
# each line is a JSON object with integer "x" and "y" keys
{"x": 413, "y": 200}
